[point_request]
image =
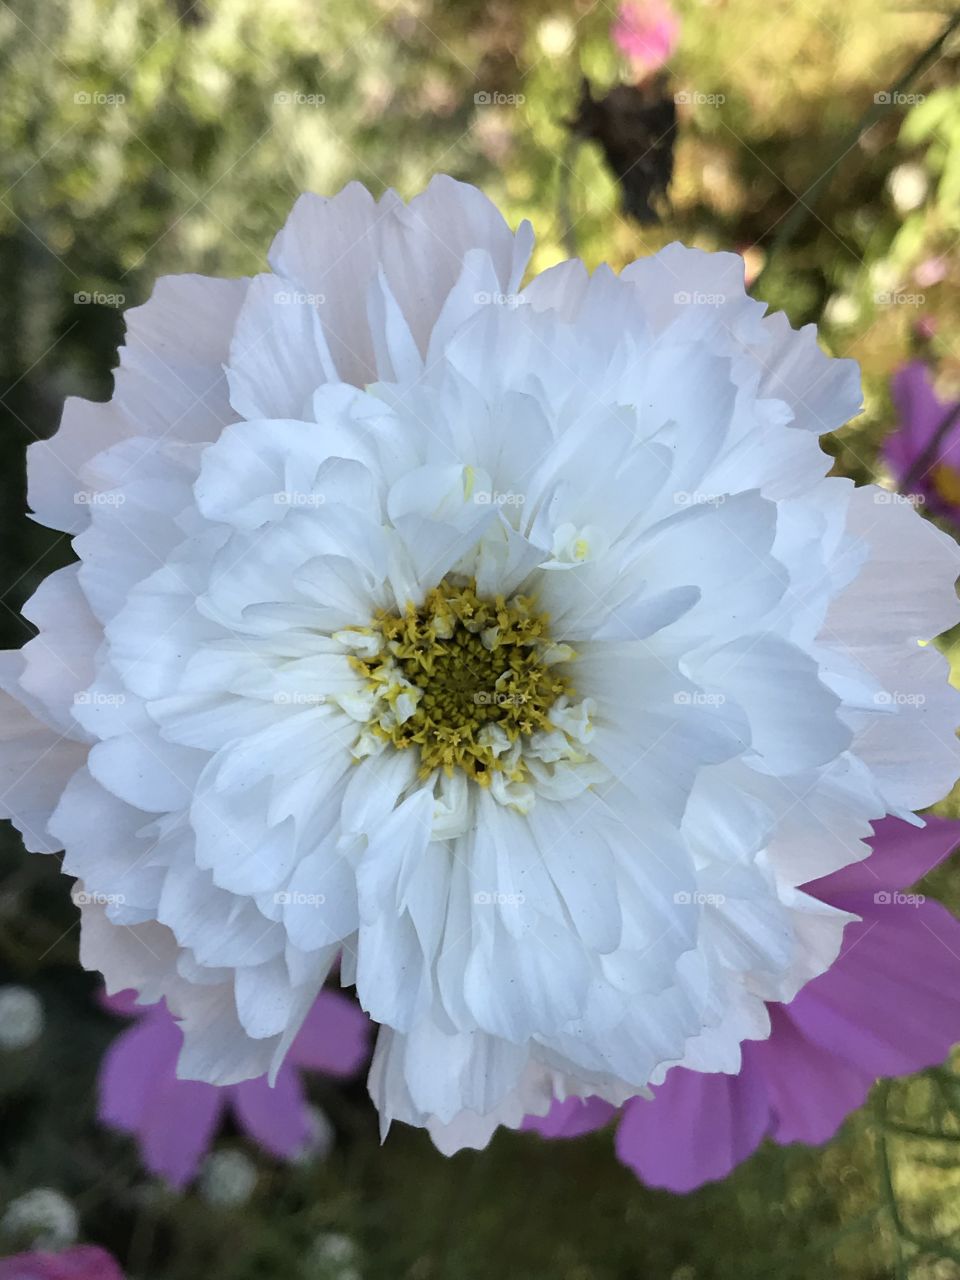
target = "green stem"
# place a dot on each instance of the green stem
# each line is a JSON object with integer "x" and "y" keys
{"x": 568, "y": 158}
{"x": 886, "y": 1178}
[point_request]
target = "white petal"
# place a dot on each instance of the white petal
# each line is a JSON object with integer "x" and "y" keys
{"x": 278, "y": 354}
{"x": 36, "y": 764}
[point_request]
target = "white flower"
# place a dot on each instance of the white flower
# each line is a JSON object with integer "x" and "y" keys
{"x": 21, "y": 1018}
{"x": 228, "y": 1179}
{"x": 321, "y": 1139}
{"x": 41, "y": 1217}
{"x": 909, "y": 185}
{"x": 333, "y": 1256}
{"x": 513, "y": 645}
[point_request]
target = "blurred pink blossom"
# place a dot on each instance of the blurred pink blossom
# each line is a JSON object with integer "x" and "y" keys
{"x": 646, "y": 31}
{"x": 931, "y": 271}
{"x": 85, "y": 1262}
{"x": 889, "y": 1005}
{"x": 923, "y": 451}
{"x": 925, "y": 328}
{"x": 174, "y": 1120}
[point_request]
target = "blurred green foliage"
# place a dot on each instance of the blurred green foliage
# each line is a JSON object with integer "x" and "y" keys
{"x": 139, "y": 137}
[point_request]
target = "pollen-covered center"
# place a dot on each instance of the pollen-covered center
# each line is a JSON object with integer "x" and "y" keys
{"x": 465, "y": 679}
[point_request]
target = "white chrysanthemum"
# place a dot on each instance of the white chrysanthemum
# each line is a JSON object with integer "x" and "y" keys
{"x": 515, "y": 646}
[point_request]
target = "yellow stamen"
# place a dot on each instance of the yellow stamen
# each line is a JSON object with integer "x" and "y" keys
{"x": 469, "y": 664}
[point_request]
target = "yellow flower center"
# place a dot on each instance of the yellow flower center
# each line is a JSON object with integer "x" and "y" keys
{"x": 465, "y": 678}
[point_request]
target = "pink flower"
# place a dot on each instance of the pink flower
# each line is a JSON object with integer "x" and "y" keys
{"x": 174, "y": 1121}
{"x": 925, "y": 328}
{"x": 85, "y": 1262}
{"x": 930, "y": 272}
{"x": 925, "y": 459}
{"x": 646, "y": 31}
{"x": 890, "y": 1005}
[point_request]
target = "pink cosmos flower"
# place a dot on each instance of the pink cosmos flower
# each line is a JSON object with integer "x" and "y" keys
{"x": 925, "y": 328}
{"x": 936, "y": 479}
{"x": 930, "y": 272}
{"x": 85, "y": 1262}
{"x": 174, "y": 1120}
{"x": 646, "y": 31}
{"x": 890, "y": 1005}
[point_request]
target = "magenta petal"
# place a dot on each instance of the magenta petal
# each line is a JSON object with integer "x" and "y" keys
{"x": 571, "y": 1118}
{"x": 812, "y": 1091}
{"x": 179, "y": 1128}
{"x": 647, "y": 31}
{"x": 902, "y": 855}
{"x": 891, "y": 1003}
{"x": 919, "y": 413}
{"x": 123, "y": 1004}
{"x": 335, "y": 1037}
{"x": 84, "y": 1262}
{"x": 29, "y": 1266}
{"x": 173, "y": 1120}
{"x": 275, "y": 1118}
{"x": 696, "y": 1128}
{"x": 135, "y": 1067}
